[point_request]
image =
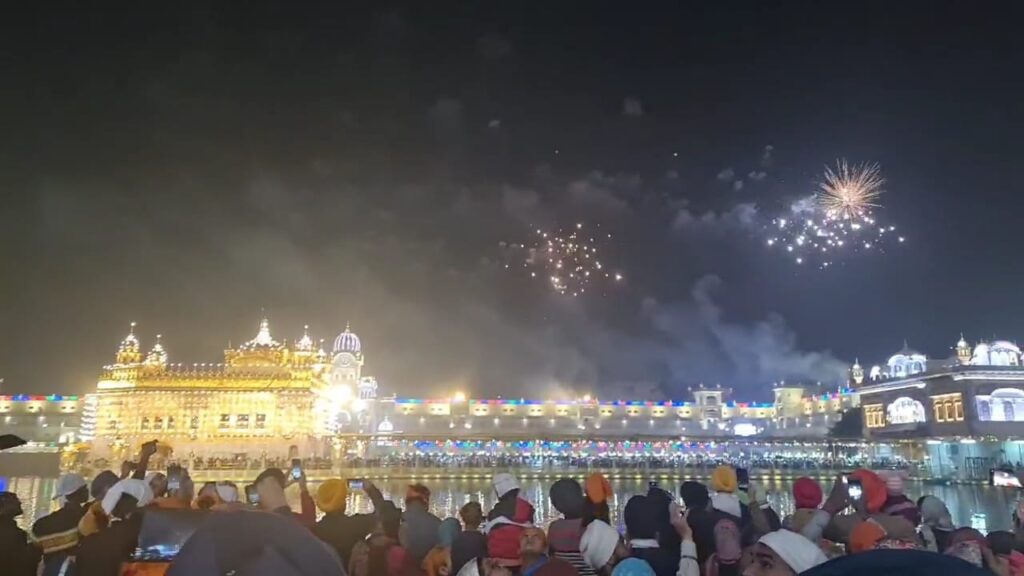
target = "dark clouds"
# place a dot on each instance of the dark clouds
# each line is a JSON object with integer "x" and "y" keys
{"x": 186, "y": 170}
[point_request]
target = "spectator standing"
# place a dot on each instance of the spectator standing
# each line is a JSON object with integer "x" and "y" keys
{"x": 471, "y": 542}
{"x": 57, "y": 533}
{"x": 420, "y": 526}
{"x": 564, "y": 534}
{"x": 18, "y": 556}
{"x": 342, "y": 531}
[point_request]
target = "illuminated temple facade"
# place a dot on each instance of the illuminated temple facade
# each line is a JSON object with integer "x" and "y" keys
{"x": 274, "y": 399}
{"x": 267, "y": 398}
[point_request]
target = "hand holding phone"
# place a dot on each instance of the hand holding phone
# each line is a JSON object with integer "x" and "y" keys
{"x": 296, "y": 472}
{"x": 252, "y": 496}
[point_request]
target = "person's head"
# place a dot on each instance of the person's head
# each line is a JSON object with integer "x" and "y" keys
{"x": 71, "y": 490}
{"x": 893, "y": 483}
{"x": 447, "y": 531}
{"x": 806, "y": 493}
{"x": 934, "y": 513}
{"x": 157, "y": 483}
{"x": 1001, "y": 542}
{"x": 472, "y": 515}
{"x": 126, "y": 497}
{"x": 695, "y": 495}
{"x": 10, "y": 505}
{"x": 640, "y": 518}
{"x": 332, "y": 496}
{"x": 598, "y": 489}
{"x": 101, "y": 483}
{"x": 270, "y": 487}
{"x": 505, "y": 485}
{"x": 723, "y": 479}
{"x": 533, "y": 542}
{"x": 417, "y": 495}
{"x": 784, "y": 553}
{"x": 865, "y": 536}
{"x": 601, "y": 547}
{"x": 567, "y": 497}
{"x": 207, "y": 497}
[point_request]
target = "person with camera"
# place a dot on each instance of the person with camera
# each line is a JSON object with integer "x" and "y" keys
{"x": 342, "y": 531}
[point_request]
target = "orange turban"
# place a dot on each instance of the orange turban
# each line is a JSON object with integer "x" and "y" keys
{"x": 598, "y": 488}
{"x": 865, "y": 536}
{"x": 875, "y": 492}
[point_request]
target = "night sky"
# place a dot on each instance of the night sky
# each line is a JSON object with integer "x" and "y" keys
{"x": 186, "y": 169}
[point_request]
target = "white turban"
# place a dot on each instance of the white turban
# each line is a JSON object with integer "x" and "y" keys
{"x": 504, "y": 483}
{"x": 798, "y": 552}
{"x": 598, "y": 544}
{"x": 139, "y": 489}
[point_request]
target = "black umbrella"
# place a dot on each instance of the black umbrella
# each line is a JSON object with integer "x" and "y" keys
{"x": 11, "y": 441}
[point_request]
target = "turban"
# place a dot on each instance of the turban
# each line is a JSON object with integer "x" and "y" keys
{"x": 798, "y": 552}
{"x": 138, "y": 489}
{"x": 597, "y": 545}
{"x": 723, "y": 479}
{"x": 598, "y": 489}
{"x": 331, "y": 495}
{"x": 806, "y": 493}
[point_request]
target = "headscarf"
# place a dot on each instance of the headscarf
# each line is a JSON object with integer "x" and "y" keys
{"x": 504, "y": 483}
{"x": 101, "y": 483}
{"x": 139, "y": 489}
{"x": 68, "y": 484}
{"x": 597, "y": 545}
{"x": 567, "y": 497}
{"x": 874, "y": 490}
{"x": 694, "y": 494}
{"x": 598, "y": 488}
{"x": 795, "y": 550}
{"x": 865, "y": 535}
{"x": 934, "y": 513}
{"x": 633, "y": 567}
{"x": 723, "y": 479}
{"x": 806, "y": 493}
{"x": 447, "y": 531}
{"x": 332, "y": 495}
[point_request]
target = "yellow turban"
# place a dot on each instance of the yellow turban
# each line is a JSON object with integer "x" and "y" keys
{"x": 331, "y": 495}
{"x": 723, "y": 479}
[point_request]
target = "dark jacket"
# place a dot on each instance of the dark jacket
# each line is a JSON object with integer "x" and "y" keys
{"x": 343, "y": 532}
{"x": 420, "y": 531}
{"x": 57, "y": 535}
{"x": 468, "y": 544}
{"x": 19, "y": 558}
{"x": 102, "y": 553}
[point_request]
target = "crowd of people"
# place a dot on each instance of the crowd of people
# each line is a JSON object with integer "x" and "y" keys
{"x": 684, "y": 461}
{"x": 865, "y": 525}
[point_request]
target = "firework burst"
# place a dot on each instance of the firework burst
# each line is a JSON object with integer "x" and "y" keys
{"x": 567, "y": 260}
{"x": 850, "y": 192}
{"x": 838, "y": 220}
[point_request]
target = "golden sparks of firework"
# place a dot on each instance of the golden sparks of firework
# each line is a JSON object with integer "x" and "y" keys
{"x": 567, "y": 259}
{"x": 849, "y": 192}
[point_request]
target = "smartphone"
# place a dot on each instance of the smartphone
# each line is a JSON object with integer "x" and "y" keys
{"x": 355, "y": 484}
{"x": 742, "y": 479}
{"x": 854, "y": 489}
{"x": 173, "y": 477}
{"x": 296, "y": 468}
{"x": 251, "y": 495}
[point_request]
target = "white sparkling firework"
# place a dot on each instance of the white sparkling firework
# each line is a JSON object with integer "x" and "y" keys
{"x": 836, "y": 221}
{"x": 567, "y": 260}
